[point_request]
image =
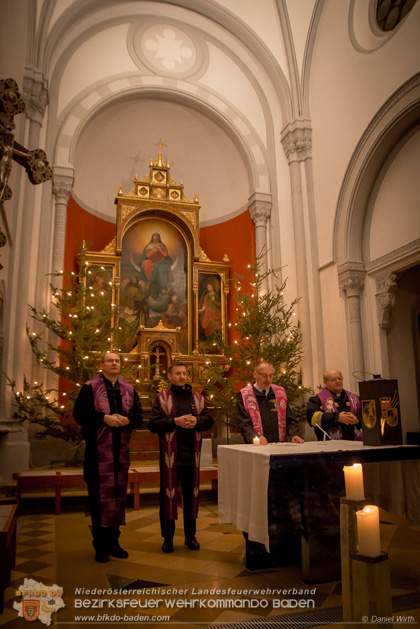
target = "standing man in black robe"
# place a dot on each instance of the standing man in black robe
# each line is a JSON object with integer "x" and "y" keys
{"x": 179, "y": 415}
{"x": 108, "y": 408}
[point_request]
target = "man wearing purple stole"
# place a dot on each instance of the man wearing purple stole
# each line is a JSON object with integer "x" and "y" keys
{"x": 334, "y": 411}
{"x": 263, "y": 410}
{"x": 178, "y": 416}
{"x": 108, "y": 408}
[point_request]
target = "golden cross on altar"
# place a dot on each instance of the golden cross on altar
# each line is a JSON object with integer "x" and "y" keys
{"x": 157, "y": 353}
{"x": 160, "y": 144}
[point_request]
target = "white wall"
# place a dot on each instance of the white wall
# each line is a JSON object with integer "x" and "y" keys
{"x": 396, "y": 212}
{"x": 403, "y": 346}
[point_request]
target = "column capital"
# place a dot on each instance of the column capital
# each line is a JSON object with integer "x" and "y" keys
{"x": 62, "y": 184}
{"x": 61, "y": 190}
{"x": 351, "y": 278}
{"x": 35, "y": 94}
{"x": 296, "y": 139}
{"x": 260, "y": 208}
{"x": 385, "y": 298}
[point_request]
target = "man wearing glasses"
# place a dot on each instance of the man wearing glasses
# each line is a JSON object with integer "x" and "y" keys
{"x": 334, "y": 411}
{"x": 108, "y": 408}
{"x": 263, "y": 410}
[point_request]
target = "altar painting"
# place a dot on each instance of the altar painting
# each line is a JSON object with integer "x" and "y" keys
{"x": 209, "y": 309}
{"x": 99, "y": 284}
{"x": 154, "y": 280}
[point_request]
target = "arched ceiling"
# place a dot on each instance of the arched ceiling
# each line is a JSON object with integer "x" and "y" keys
{"x": 123, "y": 75}
{"x": 119, "y": 142}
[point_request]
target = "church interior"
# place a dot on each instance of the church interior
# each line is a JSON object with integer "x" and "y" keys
{"x": 174, "y": 141}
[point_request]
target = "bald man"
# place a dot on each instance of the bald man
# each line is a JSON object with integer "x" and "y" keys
{"x": 334, "y": 410}
{"x": 108, "y": 409}
{"x": 263, "y": 410}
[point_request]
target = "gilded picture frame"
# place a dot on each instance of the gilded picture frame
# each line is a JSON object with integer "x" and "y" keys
{"x": 212, "y": 287}
{"x": 155, "y": 280}
{"x": 101, "y": 275}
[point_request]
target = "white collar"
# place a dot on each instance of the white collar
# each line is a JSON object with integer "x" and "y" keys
{"x": 267, "y": 391}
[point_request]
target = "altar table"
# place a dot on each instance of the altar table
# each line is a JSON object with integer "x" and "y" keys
{"x": 286, "y": 496}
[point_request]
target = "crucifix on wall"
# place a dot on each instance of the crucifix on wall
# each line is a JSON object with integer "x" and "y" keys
{"x": 35, "y": 161}
{"x": 158, "y": 361}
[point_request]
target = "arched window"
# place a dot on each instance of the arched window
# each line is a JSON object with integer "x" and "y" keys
{"x": 389, "y": 13}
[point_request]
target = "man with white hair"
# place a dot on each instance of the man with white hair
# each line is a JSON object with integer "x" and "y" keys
{"x": 334, "y": 410}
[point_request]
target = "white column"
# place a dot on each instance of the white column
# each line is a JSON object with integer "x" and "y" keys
{"x": 351, "y": 278}
{"x": 35, "y": 95}
{"x": 260, "y": 210}
{"x": 317, "y": 318}
{"x": 297, "y": 143}
{"x": 386, "y": 287}
{"x": 14, "y": 445}
{"x": 24, "y": 254}
{"x": 62, "y": 185}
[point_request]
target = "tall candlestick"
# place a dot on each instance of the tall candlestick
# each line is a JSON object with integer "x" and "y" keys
{"x": 368, "y": 536}
{"x": 353, "y": 477}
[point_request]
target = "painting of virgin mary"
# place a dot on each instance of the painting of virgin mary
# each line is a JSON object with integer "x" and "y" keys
{"x": 156, "y": 267}
{"x": 153, "y": 257}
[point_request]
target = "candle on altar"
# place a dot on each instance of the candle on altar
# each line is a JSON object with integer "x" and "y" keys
{"x": 256, "y": 441}
{"x": 368, "y": 536}
{"x": 353, "y": 477}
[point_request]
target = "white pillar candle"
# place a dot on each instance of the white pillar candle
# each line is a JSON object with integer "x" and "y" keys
{"x": 368, "y": 536}
{"x": 256, "y": 441}
{"x": 353, "y": 477}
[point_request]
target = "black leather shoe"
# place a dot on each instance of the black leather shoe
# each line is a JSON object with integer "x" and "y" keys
{"x": 119, "y": 552}
{"x": 101, "y": 556}
{"x": 192, "y": 544}
{"x": 168, "y": 546}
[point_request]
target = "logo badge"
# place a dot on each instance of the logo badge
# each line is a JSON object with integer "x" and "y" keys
{"x": 31, "y": 609}
{"x": 38, "y": 601}
{"x": 369, "y": 413}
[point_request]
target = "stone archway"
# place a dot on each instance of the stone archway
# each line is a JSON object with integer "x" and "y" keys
{"x": 403, "y": 343}
{"x": 255, "y": 171}
{"x": 392, "y": 122}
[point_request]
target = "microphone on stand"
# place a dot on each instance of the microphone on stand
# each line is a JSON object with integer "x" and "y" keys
{"x": 325, "y": 433}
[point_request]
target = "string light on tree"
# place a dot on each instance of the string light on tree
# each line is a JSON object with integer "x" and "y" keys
{"x": 79, "y": 331}
{"x": 266, "y": 330}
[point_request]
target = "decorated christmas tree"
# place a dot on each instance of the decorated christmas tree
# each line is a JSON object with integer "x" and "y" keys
{"x": 67, "y": 342}
{"x": 265, "y": 328}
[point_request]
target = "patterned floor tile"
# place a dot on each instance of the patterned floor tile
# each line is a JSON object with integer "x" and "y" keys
{"x": 223, "y": 545}
{"x": 221, "y": 569}
{"x": 46, "y": 575}
{"x": 31, "y": 567}
{"x": 32, "y": 542}
{"x": 219, "y": 563}
{"x": 29, "y": 553}
{"x": 33, "y": 533}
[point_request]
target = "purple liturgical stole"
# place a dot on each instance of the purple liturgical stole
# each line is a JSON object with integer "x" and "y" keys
{"x": 112, "y": 478}
{"x": 252, "y": 408}
{"x": 328, "y": 406}
{"x": 168, "y": 446}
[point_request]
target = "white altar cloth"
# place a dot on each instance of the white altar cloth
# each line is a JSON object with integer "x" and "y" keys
{"x": 243, "y": 478}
